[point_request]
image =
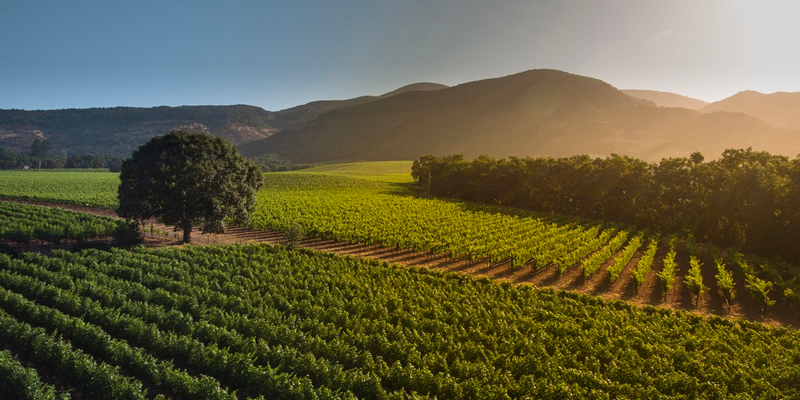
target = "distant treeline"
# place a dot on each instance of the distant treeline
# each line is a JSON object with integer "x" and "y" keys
{"x": 746, "y": 199}
{"x": 15, "y": 160}
{"x": 276, "y": 163}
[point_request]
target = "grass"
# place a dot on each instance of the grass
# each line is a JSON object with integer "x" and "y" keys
{"x": 386, "y": 171}
{"x": 96, "y": 188}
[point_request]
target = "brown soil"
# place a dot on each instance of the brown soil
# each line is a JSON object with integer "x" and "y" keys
{"x": 679, "y": 297}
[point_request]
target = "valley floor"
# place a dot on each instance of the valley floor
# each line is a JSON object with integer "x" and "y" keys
{"x": 710, "y": 303}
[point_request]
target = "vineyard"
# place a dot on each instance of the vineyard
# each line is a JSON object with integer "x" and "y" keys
{"x": 386, "y": 171}
{"x": 611, "y": 260}
{"x": 248, "y": 321}
{"x": 19, "y": 224}
{"x": 98, "y": 189}
{"x": 353, "y": 210}
{"x": 368, "y": 212}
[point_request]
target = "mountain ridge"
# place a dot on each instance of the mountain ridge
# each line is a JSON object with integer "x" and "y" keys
{"x": 536, "y": 112}
{"x": 779, "y": 108}
{"x": 541, "y": 112}
{"x": 666, "y": 99}
{"x": 120, "y": 130}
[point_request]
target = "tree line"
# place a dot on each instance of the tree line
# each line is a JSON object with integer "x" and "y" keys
{"x": 276, "y": 163}
{"x": 746, "y": 199}
{"x": 15, "y": 160}
{"x": 41, "y": 153}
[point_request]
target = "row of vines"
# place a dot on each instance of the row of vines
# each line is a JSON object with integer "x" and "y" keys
{"x": 259, "y": 321}
{"x": 375, "y": 212}
{"x": 21, "y": 223}
{"x": 371, "y": 212}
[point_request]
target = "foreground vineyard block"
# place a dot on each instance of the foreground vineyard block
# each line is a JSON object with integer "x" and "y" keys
{"x": 328, "y": 326}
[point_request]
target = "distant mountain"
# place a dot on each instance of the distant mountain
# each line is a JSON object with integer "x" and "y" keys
{"x": 295, "y": 117}
{"x": 539, "y": 112}
{"x": 415, "y": 87}
{"x": 779, "y": 108}
{"x": 666, "y": 99}
{"x": 120, "y": 130}
{"x": 533, "y": 113}
{"x": 712, "y": 133}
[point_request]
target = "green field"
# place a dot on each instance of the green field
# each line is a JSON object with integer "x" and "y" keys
{"x": 334, "y": 202}
{"x": 374, "y": 212}
{"x": 258, "y": 321}
{"x": 20, "y": 223}
{"x": 98, "y": 188}
{"x": 208, "y": 322}
{"x": 386, "y": 171}
{"x": 95, "y": 188}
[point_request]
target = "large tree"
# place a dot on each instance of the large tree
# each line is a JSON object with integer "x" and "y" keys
{"x": 39, "y": 149}
{"x": 188, "y": 179}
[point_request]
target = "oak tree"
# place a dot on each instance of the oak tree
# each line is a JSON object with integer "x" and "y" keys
{"x": 188, "y": 179}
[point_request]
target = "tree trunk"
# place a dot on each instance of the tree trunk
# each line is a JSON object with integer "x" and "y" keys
{"x": 187, "y": 234}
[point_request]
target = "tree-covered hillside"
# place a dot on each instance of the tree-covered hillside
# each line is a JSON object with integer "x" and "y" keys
{"x": 118, "y": 131}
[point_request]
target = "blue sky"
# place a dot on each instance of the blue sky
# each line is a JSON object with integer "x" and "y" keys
{"x": 76, "y": 54}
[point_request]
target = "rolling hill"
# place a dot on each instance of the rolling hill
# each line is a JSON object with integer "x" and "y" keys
{"x": 120, "y": 130}
{"x": 779, "y": 108}
{"x": 537, "y": 112}
{"x": 666, "y": 99}
{"x": 533, "y": 113}
{"x": 415, "y": 87}
{"x": 296, "y": 117}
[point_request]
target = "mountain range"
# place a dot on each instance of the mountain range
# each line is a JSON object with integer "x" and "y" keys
{"x": 533, "y": 113}
{"x": 120, "y": 130}
{"x": 780, "y": 109}
{"x": 666, "y": 99}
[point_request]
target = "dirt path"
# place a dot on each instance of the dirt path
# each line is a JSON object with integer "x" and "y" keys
{"x": 597, "y": 284}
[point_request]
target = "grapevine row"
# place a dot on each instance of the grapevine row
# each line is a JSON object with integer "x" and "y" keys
{"x": 21, "y": 223}
{"x": 386, "y": 332}
{"x": 624, "y": 257}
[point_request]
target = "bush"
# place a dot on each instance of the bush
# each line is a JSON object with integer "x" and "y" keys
{"x": 294, "y": 235}
{"x": 127, "y": 235}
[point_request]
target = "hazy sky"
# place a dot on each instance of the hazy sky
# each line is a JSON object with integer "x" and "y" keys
{"x": 75, "y": 54}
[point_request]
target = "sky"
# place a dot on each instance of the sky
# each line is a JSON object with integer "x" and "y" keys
{"x": 77, "y": 54}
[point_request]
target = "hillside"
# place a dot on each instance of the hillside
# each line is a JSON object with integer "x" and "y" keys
{"x": 415, "y": 87}
{"x": 666, "y": 99}
{"x": 538, "y": 112}
{"x": 779, "y": 108}
{"x": 533, "y": 113}
{"x": 296, "y": 117}
{"x": 120, "y": 130}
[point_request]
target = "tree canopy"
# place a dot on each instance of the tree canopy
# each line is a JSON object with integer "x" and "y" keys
{"x": 39, "y": 148}
{"x": 188, "y": 179}
{"x": 745, "y": 199}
